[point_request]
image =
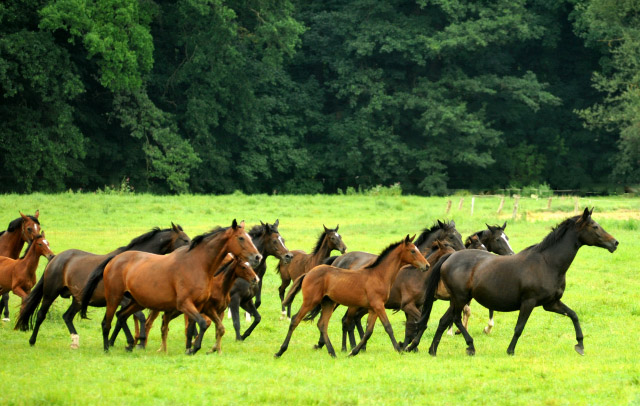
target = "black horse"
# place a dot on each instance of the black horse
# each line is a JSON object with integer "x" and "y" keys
{"x": 268, "y": 241}
{"x": 533, "y": 277}
{"x": 68, "y": 272}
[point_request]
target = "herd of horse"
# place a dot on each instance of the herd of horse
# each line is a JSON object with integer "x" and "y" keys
{"x": 165, "y": 271}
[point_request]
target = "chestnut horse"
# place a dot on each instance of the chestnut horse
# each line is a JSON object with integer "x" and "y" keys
{"x": 20, "y": 230}
{"x": 219, "y": 297}
{"x": 302, "y": 262}
{"x": 19, "y": 275}
{"x": 325, "y": 286}
{"x": 67, "y": 274}
{"x": 536, "y": 276}
{"x": 176, "y": 281}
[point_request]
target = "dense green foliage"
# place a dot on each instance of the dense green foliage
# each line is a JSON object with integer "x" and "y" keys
{"x": 212, "y": 96}
{"x": 601, "y": 287}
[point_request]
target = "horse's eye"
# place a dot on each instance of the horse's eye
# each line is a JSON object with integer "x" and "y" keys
{"x": 241, "y": 238}
{"x": 595, "y": 227}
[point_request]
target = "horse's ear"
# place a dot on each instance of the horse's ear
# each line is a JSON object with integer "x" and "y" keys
{"x": 37, "y": 213}
{"x": 276, "y": 223}
{"x": 23, "y": 216}
{"x": 591, "y": 212}
{"x": 406, "y": 239}
{"x": 452, "y": 223}
{"x": 42, "y": 234}
{"x": 440, "y": 224}
{"x": 174, "y": 228}
{"x": 241, "y": 225}
{"x": 492, "y": 229}
{"x": 586, "y": 214}
{"x": 337, "y": 227}
{"x": 262, "y": 224}
{"x": 504, "y": 226}
{"x": 234, "y": 224}
{"x": 325, "y": 228}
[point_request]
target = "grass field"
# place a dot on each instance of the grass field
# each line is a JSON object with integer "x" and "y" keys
{"x": 601, "y": 287}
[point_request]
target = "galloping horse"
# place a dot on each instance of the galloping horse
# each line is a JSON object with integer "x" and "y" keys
{"x": 20, "y": 230}
{"x": 325, "y": 286}
{"x": 177, "y": 281}
{"x": 302, "y": 262}
{"x": 493, "y": 239}
{"x": 67, "y": 274}
{"x": 19, "y": 275}
{"x": 232, "y": 271}
{"x": 533, "y": 277}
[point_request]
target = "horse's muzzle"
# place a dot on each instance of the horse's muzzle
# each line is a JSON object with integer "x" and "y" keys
{"x": 254, "y": 260}
{"x": 612, "y": 245}
{"x": 287, "y": 257}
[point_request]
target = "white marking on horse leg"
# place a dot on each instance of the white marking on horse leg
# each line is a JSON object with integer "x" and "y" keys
{"x": 450, "y": 331}
{"x": 75, "y": 341}
{"x": 247, "y": 316}
{"x": 490, "y": 325}
{"x": 229, "y": 314}
{"x": 5, "y": 319}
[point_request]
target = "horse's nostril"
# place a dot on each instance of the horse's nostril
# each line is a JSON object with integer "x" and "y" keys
{"x": 616, "y": 243}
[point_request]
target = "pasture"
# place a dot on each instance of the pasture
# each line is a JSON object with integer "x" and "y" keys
{"x": 601, "y": 287}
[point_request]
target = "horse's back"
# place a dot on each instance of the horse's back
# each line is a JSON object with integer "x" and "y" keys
{"x": 354, "y": 260}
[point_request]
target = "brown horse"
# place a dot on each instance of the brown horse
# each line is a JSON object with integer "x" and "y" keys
{"x": 535, "y": 276}
{"x": 325, "y": 286}
{"x": 177, "y": 281}
{"x": 302, "y": 262}
{"x": 229, "y": 273}
{"x": 19, "y": 275}
{"x": 21, "y": 230}
{"x": 68, "y": 273}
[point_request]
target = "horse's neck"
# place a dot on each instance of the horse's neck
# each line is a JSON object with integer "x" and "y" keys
{"x": 214, "y": 254}
{"x": 30, "y": 260}
{"x": 560, "y": 255}
{"x": 220, "y": 286}
{"x": 428, "y": 242}
{"x": 260, "y": 246}
{"x": 156, "y": 245}
{"x": 387, "y": 270}
{"x": 321, "y": 254}
{"x": 11, "y": 243}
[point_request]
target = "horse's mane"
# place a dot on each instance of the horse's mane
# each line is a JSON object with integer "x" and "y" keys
{"x": 554, "y": 236}
{"x": 15, "y": 224}
{"x": 319, "y": 242}
{"x": 143, "y": 238}
{"x": 384, "y": 253}
{"x": 27, "y": 250}
{"x": 256, "y": 231}
{"x": 198, "y": 239}
{"x": 427, "y": 231}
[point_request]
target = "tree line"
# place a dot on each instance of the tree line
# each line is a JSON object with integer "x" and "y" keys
{"x": 317, "y": 96}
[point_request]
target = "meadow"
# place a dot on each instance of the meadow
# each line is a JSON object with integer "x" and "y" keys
{"x": 601, "y": 287}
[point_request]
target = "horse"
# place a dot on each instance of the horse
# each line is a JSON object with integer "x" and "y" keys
{"x": 68, "y": 272}
{"x": 406, "y": 294}
{"x": 536, "y": 276}
{"x": 302, "y": 262}
{"x": 21, "y": 230}
{"x": 445, "y": 232}
{"x": 19, "y": 275}
{"x": 219, "y": 297}
{"x": 442, "y": 231}
{"x": 325, "y": 286}
{"x": 493, "y": 239}
{"x": 176, "y": 281}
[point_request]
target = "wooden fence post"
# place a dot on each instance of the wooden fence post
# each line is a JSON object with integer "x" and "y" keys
{"x": 501, "y": 204}
{"x": 549, "y": 203}
{"x": 473, "y": 202}
{"x": 515, "y": 207}
{"x": 460, "y": 204}
{"x": 448, "y": 207}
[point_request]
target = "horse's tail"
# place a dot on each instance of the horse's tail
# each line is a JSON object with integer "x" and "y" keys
{"x": 95, "y": 278}
{"x": 330, "y": 260}
{"x": 430, "y": 292}
{"x": 313, "y": 313}
{"x": 293, "y": 291}
{"x": 26, "y": 318}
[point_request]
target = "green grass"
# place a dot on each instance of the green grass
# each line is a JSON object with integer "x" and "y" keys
{"x": 601, "y": 287}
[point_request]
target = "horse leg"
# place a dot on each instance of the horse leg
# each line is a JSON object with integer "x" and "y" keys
{"x": 5, "y": 306}
{"x": 563, "y": 309}
{"x": 217, "y": 320}
{"x": 412, "y": 314}
{"x": 189, "y": 309}
{"x": 234, "y": 308}
{"x": 153, "y": 315}
{"x": 295, "y": 320}
{"x": 141, "y": 332}
{"x": 457, "y": 319}
{"x": 164, "y": 330}
{"x": 251, "y": 308}
{"x": 41, "y": 315}
{"x": 526, "y": 307}
{"x": 490, "y": 325}
{"x": 327, "y": 310}
{"x": 106, "y": 323}
{"x": 68, "y": 316}
{"x": 281, "y": 291}
{"x": 345, "y": 330}
{"x": 445, "y": 321}
{"x": 382, "y": 315}
{"x": 123, "y": 315}
{"x": 371, "y": 321}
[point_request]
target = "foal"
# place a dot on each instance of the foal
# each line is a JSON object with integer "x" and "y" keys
{"x": 325, "y": 286}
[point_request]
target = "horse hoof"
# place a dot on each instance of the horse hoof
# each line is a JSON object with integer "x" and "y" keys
{"x": 579, "y": 349}
{"x": 486, "y": 330}
{"x": 239, "y": 338}
{"x": 511, "y": 352}
{"x": 5, "y": 319}
{"x": 72, "y": 346}
{"x": 277, "y": 355}
{"x": 129, "y": 348}
{"x": 458, "y": 332}
{"x": 471, "y": 352}
{"x": 141, "y": 347}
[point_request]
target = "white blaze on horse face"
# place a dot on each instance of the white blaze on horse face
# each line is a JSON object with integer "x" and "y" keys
{"x": 46, "y": 243}
{"x": 281, "y": 240}
{"x": 35, "y": 227}
{"x": 504, "y": 237}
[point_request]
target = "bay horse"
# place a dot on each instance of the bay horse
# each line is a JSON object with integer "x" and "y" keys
{"x": 325, "y": 286}
{"x": 176, "y": 281}
{"x": 443, "y": 231}
{"x": 68, "y": 272}
{"x": 302, "y": 262}
{"x": 20, "y": 231}
{"x": 536, "y": 276}
{"x": 230, "y": 273}
{"x": 493, "y": 239}
{"x": 19, "y": 275}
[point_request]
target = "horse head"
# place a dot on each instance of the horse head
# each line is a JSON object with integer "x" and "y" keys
{"x": 591, "y": 233}
{"x": 334, "y": 239}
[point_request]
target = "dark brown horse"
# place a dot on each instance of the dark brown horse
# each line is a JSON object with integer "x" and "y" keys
{"x": 302, "y": 262}
{"x": 533, "y": 277}
{"x": 221, "y": 284}
{"x": 493, "y": 239}
{"x": 325, "y": 286}
{"x": 179, "y": 281}
{"x": 20, "y": 231}
{"x": 19, "y": 275}
{"x": 67, "y": 274}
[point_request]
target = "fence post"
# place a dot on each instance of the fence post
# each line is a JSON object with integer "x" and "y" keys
{"x": 576, "y": 206}
{"x": 460, "y": 204}
{"x": 448, "y": 207}
{"x": 473, "y": 202}
{"x": 549, "y": 203}
{"x": 501, "y": 204}
{"x": 515, "y": 207}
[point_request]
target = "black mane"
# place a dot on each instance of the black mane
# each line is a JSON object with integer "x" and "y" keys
{"x": 143, "y": 238}
{"x": 197, "y": 240}
{"x": 384, "y": 253}
{"x": 17, "y": 223}
{"x": 319, "y": 243}
{"x": 555, "y": 235}
{"x": 427, "y": 231}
